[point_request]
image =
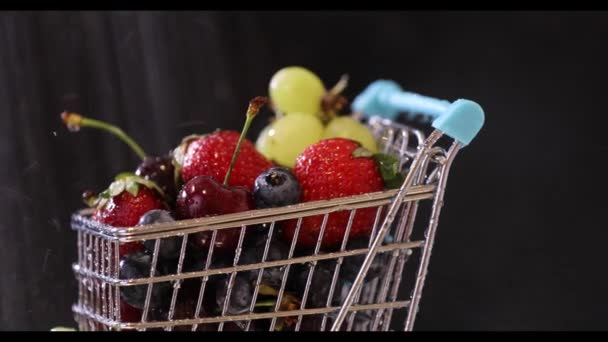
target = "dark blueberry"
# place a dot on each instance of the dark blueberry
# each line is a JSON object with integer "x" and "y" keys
{"x": 277, "y": 187}
{"x": 319, "y": 284}
{"x": 161, "y": 171}
{"x": 196, "y": 260}
{"x": 253, "y": 253}
{"x": 240, "y": 295}
{"x": 169, "y": 247}
{"x": 352, "y": 264}
{"x": 137, "y": 265}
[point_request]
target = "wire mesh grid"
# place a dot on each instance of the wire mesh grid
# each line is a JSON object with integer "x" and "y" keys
{"x": 268, "y": 282}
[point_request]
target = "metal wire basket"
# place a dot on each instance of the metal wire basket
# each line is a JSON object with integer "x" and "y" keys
{"x": 364, "y": 286}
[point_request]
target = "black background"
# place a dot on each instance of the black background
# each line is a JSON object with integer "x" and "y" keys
{"x": 522, "y": 237}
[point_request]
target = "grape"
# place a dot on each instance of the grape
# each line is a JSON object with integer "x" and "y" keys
{"x": 287, "y": 137}
{"x": 349, "y": 128}
{"x": 296, "y": 89}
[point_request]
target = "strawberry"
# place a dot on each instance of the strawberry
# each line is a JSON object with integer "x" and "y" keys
{"x": 334, "y": 168}
{"x": 127, "y": 199}
{"x": 210, "y": 155}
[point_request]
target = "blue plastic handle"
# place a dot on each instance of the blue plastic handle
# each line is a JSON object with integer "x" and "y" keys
{"x": 461, "y": 119}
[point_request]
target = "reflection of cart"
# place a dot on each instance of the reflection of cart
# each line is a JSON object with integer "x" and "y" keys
{"x": 365, "y": 304}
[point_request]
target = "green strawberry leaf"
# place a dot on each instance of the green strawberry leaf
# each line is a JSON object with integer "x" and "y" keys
{"x": 132, "y": 186}
{"x": 362, "y": 152}
{"x": 131, "y": 183}
{"x": 124, "y": 175}
{"x": 105, "y": 194}
{"x": 116, "y": 188}
{"x": 148, "y": 184}
{"x": 389, "y": 170}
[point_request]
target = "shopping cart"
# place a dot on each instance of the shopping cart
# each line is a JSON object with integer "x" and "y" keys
{"x": 370, "y": 301}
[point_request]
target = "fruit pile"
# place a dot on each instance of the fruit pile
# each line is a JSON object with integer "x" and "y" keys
{"x": 310, "y": 151}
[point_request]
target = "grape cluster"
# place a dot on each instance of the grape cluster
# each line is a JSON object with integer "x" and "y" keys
{"x": 298, "y": 97}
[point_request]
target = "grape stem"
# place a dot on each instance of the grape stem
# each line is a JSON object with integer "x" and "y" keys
{"x": 340, "y": 86}
{"x": 254, "y": 107}
{"x": 75, "y": 121}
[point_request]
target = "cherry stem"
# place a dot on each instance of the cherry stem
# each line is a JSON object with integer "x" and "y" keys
{"x": 254, "y": 107}
{"x": 75, "y": 121}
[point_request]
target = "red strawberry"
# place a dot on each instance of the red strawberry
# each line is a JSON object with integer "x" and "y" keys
{"x": 210, "y": 155}
{"x": 124, "y": 210}
{"x": 128, "y": 313}
{"x": 127, "y": 199}
{"x": 335, "y": 168}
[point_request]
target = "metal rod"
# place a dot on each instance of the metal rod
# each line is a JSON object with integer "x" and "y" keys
{"x": 428, "y": 246}
{"x": 235, "y": 318}
{"x": 226, "y": 270}
{"x": 433, "y": 137}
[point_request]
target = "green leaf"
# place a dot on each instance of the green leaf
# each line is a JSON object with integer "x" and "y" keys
{"x": 362, "y": 152}
{"x": 116, "y": 188}
{"x": 105, "y": 194}
{"x": 149, "y": 184}
{"x": 124, "y": 175}
{"x": 265, "y": 303}
{"x": 132, "y": 186}
{"x": 267, "y": 290}
{"x": 389, "y": 170}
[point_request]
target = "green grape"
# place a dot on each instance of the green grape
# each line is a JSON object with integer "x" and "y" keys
{"x": 296, "y": 89}
{"x": 286, "y": 138}
{"x": 264, "y": 142}
{"x": 350, "y": 128}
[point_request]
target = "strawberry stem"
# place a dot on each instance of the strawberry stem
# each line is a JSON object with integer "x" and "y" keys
{"x": 254, "y": 107}
{"x": 75, "y": 121}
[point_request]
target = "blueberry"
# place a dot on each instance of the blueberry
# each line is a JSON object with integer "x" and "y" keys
{"x": 319, "y": 284}
{"x": 240, "y": 295}
{"x": 253, "y": 253}
{"x": 137, "y": 265}
{"x": 169, "y": 247}
{"x": 351, "y": 265}
{"x": 276, "y": 187}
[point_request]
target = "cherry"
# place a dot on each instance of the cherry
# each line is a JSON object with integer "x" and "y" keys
{"x": 158, "y": 169}
{"x": 203, "y": 196}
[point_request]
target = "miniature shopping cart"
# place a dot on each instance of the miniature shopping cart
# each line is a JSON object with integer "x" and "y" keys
{"x": 401, "y": 242}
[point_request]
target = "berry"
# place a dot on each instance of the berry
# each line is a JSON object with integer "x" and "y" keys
{"x": 138, "y": 265}
{"x": 169, "y": 247}
{"x": 161, "y": 171}
{"x": 240, "y": 296}
{"x": 253, "y": 253}
{"x": 351, "y": 265}
{"x": 204, "y": 196}
{"x": 210, "y": 156}
{"x": 276, "y": 187}
{"x": 158, "y": 170}
{"x": 319, "y": 284}
{"x": 296, "y": 89}
{"x": 288, "y": 136}
{"x": 329, "y": 169}
{"x": 129, "y": 314}
{"x": 127, "y": 199}
{"x": 350, "y": 128}
{"x": 130, "y": 247}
